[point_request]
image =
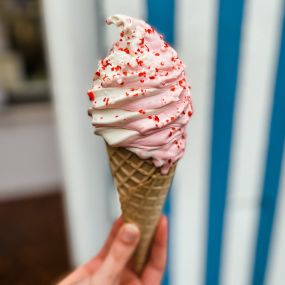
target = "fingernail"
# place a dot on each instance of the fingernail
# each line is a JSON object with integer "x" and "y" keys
{"x": 130, "y": 233}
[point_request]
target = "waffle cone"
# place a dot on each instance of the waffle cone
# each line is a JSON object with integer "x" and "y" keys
{"x": 142, "y": 192}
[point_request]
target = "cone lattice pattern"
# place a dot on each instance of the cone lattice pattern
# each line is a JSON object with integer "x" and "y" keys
{"x": 142, "y": 192}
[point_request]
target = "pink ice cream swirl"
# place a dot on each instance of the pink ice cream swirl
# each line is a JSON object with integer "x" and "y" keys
{"x": 140, "y": 98}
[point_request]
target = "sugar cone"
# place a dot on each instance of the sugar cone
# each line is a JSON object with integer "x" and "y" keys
{"x": 142, "y": 192}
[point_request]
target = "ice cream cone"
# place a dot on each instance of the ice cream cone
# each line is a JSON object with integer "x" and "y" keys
{"x": 142, "y": 192}
{"x": 141, "y": 103}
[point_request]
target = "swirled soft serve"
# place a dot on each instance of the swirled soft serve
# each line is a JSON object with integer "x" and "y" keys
{"x": 140, "y": 98}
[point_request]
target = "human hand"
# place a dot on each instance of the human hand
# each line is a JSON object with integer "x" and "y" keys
{"x": 110, "y": 266}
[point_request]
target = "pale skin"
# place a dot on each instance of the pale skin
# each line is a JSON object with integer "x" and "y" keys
{"x": 110, "y": 266}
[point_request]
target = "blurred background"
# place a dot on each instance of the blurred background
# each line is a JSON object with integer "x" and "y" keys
{"x": 227, "y": 202}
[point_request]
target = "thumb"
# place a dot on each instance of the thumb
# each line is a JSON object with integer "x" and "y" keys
{"x": 120, "y": 252}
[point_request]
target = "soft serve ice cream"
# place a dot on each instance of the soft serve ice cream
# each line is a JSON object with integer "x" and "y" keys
{"x": 140, "y": 98}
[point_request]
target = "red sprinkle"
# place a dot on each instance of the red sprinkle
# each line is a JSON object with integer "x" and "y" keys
{"x": 182, "y": 83}
{"x": 105, "y": 63}
{"x": 142, "y": 81}
{"x": 157, "y": 54}
{"x": 98, "y": 73}
{"x": 172, "y": 88}
{"x": 170, "y": 134}
{"x": 116, "y": 68}
{"x": 152, "y": 77}
{"x": 139, "y": 62}
{"x": 142, "y": 74}
{"x": 126, "y": 50}
{"x": 90, "y": 93}
{"x": 172, "y": 118}
{"x": 149, "y": 30}
{"x": 156, "y": 118}
{"x": 189, "y": 114}
{"x": 122, "y": 34}
{"x": 149, "y": 117}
